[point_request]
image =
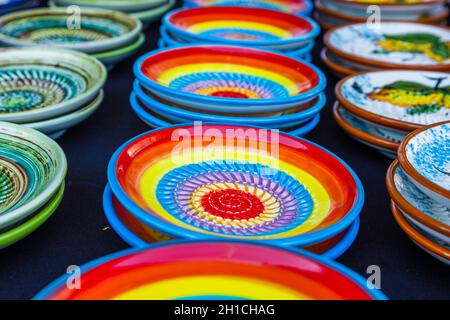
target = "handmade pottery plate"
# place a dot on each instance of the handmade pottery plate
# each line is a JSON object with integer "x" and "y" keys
{"x": 298, "y": 7}
{"x": 424, "y": 212}
{"x": 226, "y": 78}
{"x": 37, "y": 84}
{"x": 213, "y": 270}
{"x": 392, "y": 45}
{"x": 32, "y": 168}
{"x": 120, "y": 5}
{"x": 424, "y": 155}
{"x": 401, "y": 99}
{"x": 298, "y": 196}
{"x": 100, "y": 30}
{"x": 241, "y": 26}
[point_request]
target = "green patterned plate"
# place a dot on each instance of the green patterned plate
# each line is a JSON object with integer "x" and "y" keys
{"x": 37, "y": 85}
{"x": 121, "y": 5}
{"x": 32, "y": 167}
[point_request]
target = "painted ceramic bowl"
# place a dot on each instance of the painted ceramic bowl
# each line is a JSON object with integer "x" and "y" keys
{"x": 97, "y": 30}
{"x": 424, "y": 155}
{"x": 422, "y": 211}
{"x": 138, "y": 235}
{"x": 298, "y": 7}
{"x": 392, "y": 45}
{"x": 241, "y": 26}
{"x": 111, "y": 58}
{"x": 24, "y": 229}
{"x": 32, "y": 167}
{"x": 226, "y": 78}
{"x": 119, "y": 5}
{"x": 213, "y": 270}
{"x": 37, "y": 85}
{"x": 424, "y": 241}
{"x": 299, "y": 195}
{"x": 404, "y": 100}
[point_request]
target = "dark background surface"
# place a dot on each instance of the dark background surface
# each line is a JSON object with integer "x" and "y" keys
{"x": 79, "y": 232}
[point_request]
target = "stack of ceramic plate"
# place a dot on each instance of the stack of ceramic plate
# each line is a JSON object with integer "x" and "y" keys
{"x": 228, "y": 84}
{"x": 49, "y": 90}
{"x": 147, "y": 11}
{"x": 387, "y": 45}
{"x": 254, "y": 27}
{"x": 32, "y": 172}
{"x": 232, "y": 182}
{"x": 7, "y": 6}
{"x": 380, "y": 108}
{"x": 110, "y": 36}
{"x": 331, "y": 13}
{"x": 297, "y": 7}
{"x": 211, "y": 270}
{"x": 419, "y": 185}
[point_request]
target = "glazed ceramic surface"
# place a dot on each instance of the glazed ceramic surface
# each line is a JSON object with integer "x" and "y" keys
{"x": 97, "y": 30}
{"x": 213, "y": 270}
{"x": 393, "y": 44}
{"x": 112, "y": 57}
{"x": 241, "y": 25}
{"x": 224, "y": 78}
{"x": 32, "y": 167}
{"x": 121, "y": 5}
{"x": 299, "y": 197}
{"x": 36, "y": 85}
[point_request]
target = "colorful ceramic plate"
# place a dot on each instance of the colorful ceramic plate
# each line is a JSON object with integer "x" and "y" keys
{"x": 16, "y": 234}
{"x": 213, "y": 270}
{"x": 424, "y": 212}
{"x": 405, "y": 100}
{"x": 298, "y": 7}
{"x": 393, "y": 45}
{"x": 37, "y": 85}
{"x": 241, "y": 26}
{"x": 97, "y": 30}
{"x": 424, "y": 155}
{"x": 277, "y": 189}
{"x": 120, "y": 5}
{"x": 226, "y": 78}
{"x": 32, "y": 168}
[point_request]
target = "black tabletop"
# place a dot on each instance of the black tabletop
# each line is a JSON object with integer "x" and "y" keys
{"x": 79, "y": 232}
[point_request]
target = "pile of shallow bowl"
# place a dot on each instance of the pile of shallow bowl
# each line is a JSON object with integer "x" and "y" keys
{"x": 32, "y": 172}
{"x": 147, "y": 11}
{"x": 50, "y": 90}
{"x": 227, "y": 84}
{"x": 110, "y": 36}
{"x": 332, "y": 13}
{"x": 7, "y": 6}
{"x": 386, "y": 45}
{"x": 230, "y": 182}
{"x": 244, "y": 26}
{"x": 380, "y": 108}
{"x": 419, "y": 185}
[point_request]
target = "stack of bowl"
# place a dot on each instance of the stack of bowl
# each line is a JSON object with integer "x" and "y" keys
{"x": 32, "y": 172}
{"x": 380, "y": 108}
{"x": 297, "y": 7}
{"x": 7, "y": 6}
{"x": 254, "y": 27}
{"x": 387, "y": 45}
{"x": 227, "y": 84}
{"x": 110, "y": 36}
{"x": 49, "y": 90}
{"x": 419, "y": 185}
{"x": 332, "y": 13}
{"x": 217, "y": 181}
{"x": 147, "y": 11}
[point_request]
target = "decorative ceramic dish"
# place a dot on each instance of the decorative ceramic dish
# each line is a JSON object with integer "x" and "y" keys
{"x": 401, "y": 99}
{"x": 32, "y": 168}
{"x": 430, "y": 245}
{"x": 424, "y": 155}
{"x": 99, "y": 30}
{"x": 392, "y": 45}
{"x": 213, "y": 270}
{"x": 119, "y": 5}
{"x": 241, "y": 26}
{"x": 110, "y": 58}
{"x": 226, "y": 78}
{"x": 424, "y": 212}
{"x": 21, "y": 231}
{"x": 36, "y": 85}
